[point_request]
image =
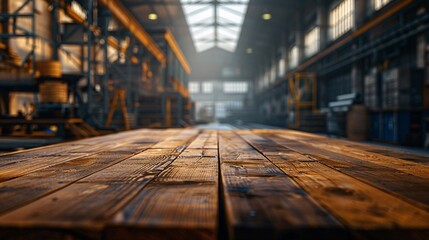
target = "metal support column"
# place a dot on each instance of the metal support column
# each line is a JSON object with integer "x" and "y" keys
{"x": 128, "y": 72}
{"x": 89, "y": 73}
{"x": 33, "y": 49}
{"x": 104, "y": 24}
{"x": 55, "y": 30}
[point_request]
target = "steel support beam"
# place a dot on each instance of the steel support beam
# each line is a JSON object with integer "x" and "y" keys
{"x": 124, "y": 16}
{"x": 55, "y": 30}
{"x": 89, "y": 74}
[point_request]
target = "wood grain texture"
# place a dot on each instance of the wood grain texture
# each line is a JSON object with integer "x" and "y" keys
{"x": 29, "y": 187}
{"x": 21, "y": 163}
{"x": 412, "y": 188}
{"x": 388, "y": 152}
{"x": 262, "y": 202}
{"x": 207, "y": 139}
{"x": 416, "y": 167}
{"x": 181, "y": 202}
{"x": 412, "y": 168}
{"x": 364, "y": 209}
{"x": 191, "y": 184}
{"x": 85, "y": 206}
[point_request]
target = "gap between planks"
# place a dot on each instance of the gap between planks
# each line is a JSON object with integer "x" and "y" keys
{"x": 262, "y": 202}
{"x": 29, "y": 187}
{"x": 19, "y": 164}
{"x": 83, "y": 208}
{"x": 181, "y": 202}
{"x": 412, "y": 188}
{"x": 365, "y": 210}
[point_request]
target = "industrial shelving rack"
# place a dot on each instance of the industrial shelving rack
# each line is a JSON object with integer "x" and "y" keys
{"x": 10, "y": 30}
{"x": 138, "y": 61}
{"x": 175, "y": 101}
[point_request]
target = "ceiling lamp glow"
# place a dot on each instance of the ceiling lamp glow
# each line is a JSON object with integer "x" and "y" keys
{"x": 215, "y": 23}
{"x": 152, "y": 16}
{"x": 266, "y": 16}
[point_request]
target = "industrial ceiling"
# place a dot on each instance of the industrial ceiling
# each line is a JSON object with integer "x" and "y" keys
{"x": 231, "y": 25}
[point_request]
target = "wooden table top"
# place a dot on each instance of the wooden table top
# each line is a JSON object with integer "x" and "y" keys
{"x": 208, "y": 184}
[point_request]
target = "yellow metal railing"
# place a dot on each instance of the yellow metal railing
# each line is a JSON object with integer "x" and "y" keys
{"x": 300, "y": 85}
{"x": 176, "y": 50}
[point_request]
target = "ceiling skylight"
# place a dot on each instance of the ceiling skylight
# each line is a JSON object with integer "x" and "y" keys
{"x": 215, "y": 23}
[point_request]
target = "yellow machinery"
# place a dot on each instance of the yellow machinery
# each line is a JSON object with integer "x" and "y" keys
{"x": 118, "y": 96}
{"x": 302, "y": 94}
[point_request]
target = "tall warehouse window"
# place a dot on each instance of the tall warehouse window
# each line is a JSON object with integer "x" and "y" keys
{"x": 273, "y": 73}
{"x": 281, "y": 67}
{"x": 207, "y": 87}
{"x": 266, "y": 79}
{"x": 235, "y": 87}
{"x": 293, "y": 57}
{"x": 312, "y": 43}
{"x": 378, "y": 4}
{"x": 194, "y": 87}
{"x": 341, "y": 18}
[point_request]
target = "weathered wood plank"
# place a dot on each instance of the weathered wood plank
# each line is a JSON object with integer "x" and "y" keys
{"x": 357, "y": 145}
{"x": 402, "y": 161}
{"x": 206, "y": 140}
{"x": 262, "y": 202}
{"x": 274, "y": 184}
{"x": 414, "y": 166}
{"x": 205, "y": 145}
{"x": 82, "y": 209}
{"x": 27, "y": 188}
{"x": 19, "y": 164}
{"x": 409, "y": 167}
{"x": 390, "y": 153}
{"x": 180, "y": 203}
{"x": 410, "y": 187}
{"x": 28, "y": 154}
{"x": 169, "y": 212}
{"x": 367, "y": 211}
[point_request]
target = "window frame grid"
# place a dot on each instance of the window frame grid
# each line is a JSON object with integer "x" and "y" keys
{"x": 341, "y": 18}
{"x": 312, "y": 41}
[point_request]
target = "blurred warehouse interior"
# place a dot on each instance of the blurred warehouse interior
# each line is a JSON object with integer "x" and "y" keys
{"x": 80, "y": 68}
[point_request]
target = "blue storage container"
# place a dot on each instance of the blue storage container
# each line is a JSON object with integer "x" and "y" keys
{"x": 375, "y": 126}
{"x": 399, "y": 127}
{"x": 403, "y": 128}
{"x": 389, "y": 127}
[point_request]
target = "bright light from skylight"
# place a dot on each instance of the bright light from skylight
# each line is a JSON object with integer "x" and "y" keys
{"x": 215, "y": 23}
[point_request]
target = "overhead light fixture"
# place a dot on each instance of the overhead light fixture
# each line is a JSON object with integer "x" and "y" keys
{"x": 249, "y": 50}
{"x": 266, "y": 16}
{"x": 152, "y": 16}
